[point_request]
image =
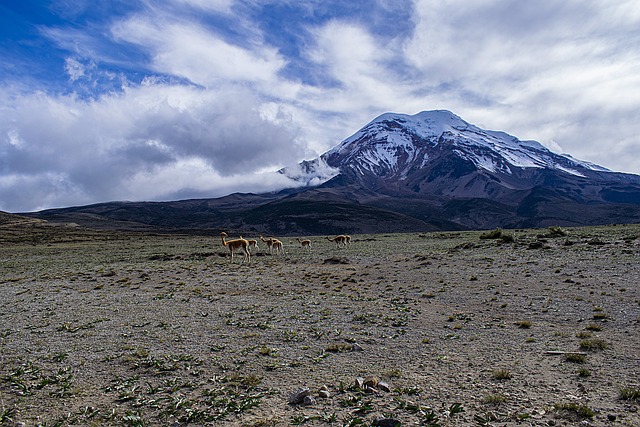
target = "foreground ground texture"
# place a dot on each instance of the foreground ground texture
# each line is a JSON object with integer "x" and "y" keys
{"x": 527, "y": 327}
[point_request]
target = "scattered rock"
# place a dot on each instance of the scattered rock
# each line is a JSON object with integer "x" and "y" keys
{"x": 370, "y": 390}
{"x": 386, "y": 422}
{"x": 309, "y": 401}
{"x": 371, "y": 381}
{"x": 298, "y": 396}
{"x": 611, "y": 417}
{"x": 324, "y": 394}
{"x": 384, "y": 387}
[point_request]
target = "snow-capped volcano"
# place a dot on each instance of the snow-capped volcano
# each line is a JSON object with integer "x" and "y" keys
{"x": 399, "y": 141}
{"x": 440, "y": 168}
{"x": 395, "y": 146}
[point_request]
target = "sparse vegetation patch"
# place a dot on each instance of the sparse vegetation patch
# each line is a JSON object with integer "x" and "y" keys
{"x": 134, "y": 329}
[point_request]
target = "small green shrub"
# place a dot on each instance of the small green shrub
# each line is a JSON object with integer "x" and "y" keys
{"x": 630, "y": 393}
{"x": 573, "y": 410}
{"x": 593, "y": 344}
{"x": 494, "y": 399}
{"x": 584, "y": 372}
{"x": 493, "y": 234}
{"x": 501, "y": 374}
{"x": 555, "y": 231}
{"x": 575, "y": 358}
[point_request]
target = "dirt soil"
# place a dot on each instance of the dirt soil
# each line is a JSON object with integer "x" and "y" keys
{"x": 526, "y": 328}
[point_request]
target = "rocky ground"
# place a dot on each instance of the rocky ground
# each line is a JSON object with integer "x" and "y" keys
{"x": 524, "y": 327}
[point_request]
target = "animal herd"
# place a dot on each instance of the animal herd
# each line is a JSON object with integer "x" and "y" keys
{"x": 275, "y": 246}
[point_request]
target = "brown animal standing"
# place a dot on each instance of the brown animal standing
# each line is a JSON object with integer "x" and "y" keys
{"x": 304, "y": 243}
{"x": 235, "y": 245}
{"x": 269, "y": 241}
{"x": 341, "y": 240}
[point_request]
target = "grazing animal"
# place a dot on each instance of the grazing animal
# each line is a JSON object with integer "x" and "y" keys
{"x": 305, "y": 243}
{"x": 253, "y": 243}
{"x": 341, "y": 240}
{"x": 235, "y": 245}
{"x": 277, "y": 246}
{"x": 269, "y": 241}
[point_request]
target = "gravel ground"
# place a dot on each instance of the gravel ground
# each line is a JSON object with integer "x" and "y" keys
{"x": 527, "y": 327}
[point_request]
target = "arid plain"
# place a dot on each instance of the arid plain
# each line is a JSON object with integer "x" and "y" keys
{"x": 524, "y": 327}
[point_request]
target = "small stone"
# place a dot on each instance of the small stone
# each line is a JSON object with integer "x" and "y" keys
{"x": 371, "y": 381}
{"x": 324, "y": 394}
{"x": 299, "y": 395}
{"x": 384, "y": 387}
{"x": 309, "y": 401}
{"x": 387, "y": 422}
{"x": 611, "y": 417}
{"x": 370, "y": 390}
{"x": 356, "y": 347}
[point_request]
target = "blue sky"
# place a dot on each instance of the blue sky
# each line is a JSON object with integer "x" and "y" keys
{"x": 173, "y": 99}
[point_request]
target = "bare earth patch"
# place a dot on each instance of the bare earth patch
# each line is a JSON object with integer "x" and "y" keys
{"x": 527, "y": 327}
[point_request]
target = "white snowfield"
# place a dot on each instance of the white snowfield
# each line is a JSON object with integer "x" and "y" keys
{"x": 493, "y": 151}
{"x": 396, "y": 143}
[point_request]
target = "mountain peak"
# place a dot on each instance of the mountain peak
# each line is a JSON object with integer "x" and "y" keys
{"x": 396, "y": 146}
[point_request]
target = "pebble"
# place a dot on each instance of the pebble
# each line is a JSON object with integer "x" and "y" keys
{"x": 370, "y": 390}
{"x": 371, "y": 381}
{"x": 309, "y": 401}
{"x": 356, "y": 347}
{"x": 299, "y": 395}
{"x": 387, "y": 422}
{"x": 324, "y": 394}
{"x": 384, "y": 387}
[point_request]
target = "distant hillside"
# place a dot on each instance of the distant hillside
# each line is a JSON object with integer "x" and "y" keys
{"x": 8, "y": 219}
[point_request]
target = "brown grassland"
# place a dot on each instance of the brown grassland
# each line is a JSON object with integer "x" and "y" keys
{"x": 514, "y": 327}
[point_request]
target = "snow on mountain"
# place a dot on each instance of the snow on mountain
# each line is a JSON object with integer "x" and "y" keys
{"x": 392, "y": 141}
{"x": 418, "y": 151}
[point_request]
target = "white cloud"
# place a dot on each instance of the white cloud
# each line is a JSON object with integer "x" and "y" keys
{"x": 191, "y": 51}
{"x": 74, "y": 69}
{"x": 121, "y": 146}
{"x": 223, "y": 6}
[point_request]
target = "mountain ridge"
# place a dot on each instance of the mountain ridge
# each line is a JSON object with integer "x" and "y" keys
{"x": 423, "y": 172}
